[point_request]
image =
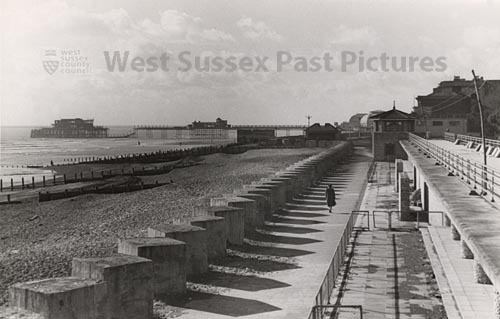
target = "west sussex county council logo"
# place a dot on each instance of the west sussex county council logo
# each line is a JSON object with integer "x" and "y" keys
{"x": 50, "y": 61}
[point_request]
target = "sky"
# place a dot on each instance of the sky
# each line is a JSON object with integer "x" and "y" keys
{"x": 464, "y": 34}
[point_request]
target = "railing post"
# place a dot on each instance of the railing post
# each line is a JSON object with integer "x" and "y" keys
{"x": 475, "y": 181}
{"x": 492, "y": 187}
{"x": 468, "y": 171}
{"x": 483, "y": 183}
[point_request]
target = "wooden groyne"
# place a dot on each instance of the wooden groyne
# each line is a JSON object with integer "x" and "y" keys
{"x": 112, "y": 189}
{"x": 29, "y": 182}
{"x": 159, "y": 156}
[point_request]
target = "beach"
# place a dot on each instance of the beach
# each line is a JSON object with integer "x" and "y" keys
{"x": 39, "y": 240}
{"x": 18, "y": 150}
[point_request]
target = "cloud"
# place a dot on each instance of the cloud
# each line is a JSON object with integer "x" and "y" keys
{"x": 344, "y": 35}
{"x": 216, "y": 35}
{"x": 257, "y": 30}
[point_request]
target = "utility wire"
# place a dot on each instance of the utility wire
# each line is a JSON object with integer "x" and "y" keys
{"x": 455, "y": 102}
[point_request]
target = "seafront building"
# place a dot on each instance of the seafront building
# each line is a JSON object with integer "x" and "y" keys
{"x": 452, "y": 107}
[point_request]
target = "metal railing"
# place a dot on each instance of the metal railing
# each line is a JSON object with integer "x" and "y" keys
{"x": 338, "y": 312}
{"x": 328, "y": 284}
{"x": 474, "y": 173}
{"x": 451, "y": 137}
{"x": 390, "y": 214}
{"x": 418, "y": 212}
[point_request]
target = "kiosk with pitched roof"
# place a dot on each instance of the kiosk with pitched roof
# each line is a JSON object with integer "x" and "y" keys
{"x": 389, "y": 128}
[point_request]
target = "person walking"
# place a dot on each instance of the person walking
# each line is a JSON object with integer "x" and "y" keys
{"x": 330, "y": 197}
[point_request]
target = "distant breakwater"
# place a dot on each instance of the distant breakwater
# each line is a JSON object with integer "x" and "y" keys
{"x": 160, "y": 156}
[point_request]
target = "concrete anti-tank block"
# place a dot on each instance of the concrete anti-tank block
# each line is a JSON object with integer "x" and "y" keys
{"x": 288, "y": 183}
{"x": 267, "y": 193}
{"x": 17, "y": 313}
{"x": 128, "y": 279}
{"x": 234, "y": 221}
{"x": 169, "y": 262}
{"x": 262, "y": 206}
{"x": 279, "y": 188}
{"x": 216, "y": 235}
{"x": 196, "y": 244}
{"x": 61, "y": 298}
{"x": 249, "y": 207}
{"x": 293, "y": 179}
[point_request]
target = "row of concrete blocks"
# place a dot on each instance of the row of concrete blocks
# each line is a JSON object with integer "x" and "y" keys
{"x": 490, "y": 150}
{"x": 124, "y": 286}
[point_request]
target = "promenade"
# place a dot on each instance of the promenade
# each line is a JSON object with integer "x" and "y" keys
{"x": 387, "y": 271}
{"x": 286, "y": 261}
{"x": 468, "y": 153}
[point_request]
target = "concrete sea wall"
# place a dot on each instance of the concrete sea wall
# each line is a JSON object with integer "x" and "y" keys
{"x": 473, "y": 220}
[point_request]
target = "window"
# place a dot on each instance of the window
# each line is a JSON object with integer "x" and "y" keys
{"x": 437, "y": 123}
{"x": 454, "y": 123}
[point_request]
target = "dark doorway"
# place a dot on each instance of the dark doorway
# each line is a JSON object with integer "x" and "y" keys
{"x": 415, "y": 183}
{"x": 426, "y": 197}
{"x": 390, "y": 152}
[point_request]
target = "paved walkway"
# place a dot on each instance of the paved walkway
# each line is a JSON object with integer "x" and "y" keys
{"x": 469, "y": 153}
{"x": 387, "y": 271}
{"x": 279, "y": 271}
{"x": 473, "y": 300}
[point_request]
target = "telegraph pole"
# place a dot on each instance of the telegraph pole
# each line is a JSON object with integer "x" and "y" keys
{"x": 480, "y": 117}
{"x": 484, "y": 183}
{"x": 308, "y": 120}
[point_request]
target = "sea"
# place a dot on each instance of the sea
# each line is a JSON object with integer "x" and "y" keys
{"x": 18, "y": 150}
